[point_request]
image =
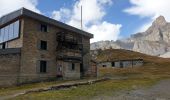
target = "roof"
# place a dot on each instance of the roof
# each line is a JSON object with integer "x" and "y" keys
{"x": 25, "y": 12}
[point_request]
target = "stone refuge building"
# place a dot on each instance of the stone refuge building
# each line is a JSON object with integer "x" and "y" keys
{"x": 130, "y": 63}
{"x": 37, "y": 48}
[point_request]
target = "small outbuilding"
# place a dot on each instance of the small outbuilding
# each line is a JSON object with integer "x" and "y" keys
{"x": 130, "y": 63}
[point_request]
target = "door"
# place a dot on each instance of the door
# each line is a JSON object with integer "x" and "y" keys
{"x": 121, "y": 64}
{"x": 3, "y": 45}
{"x": 81, "y": 70}
{"x": 59, "y": 70}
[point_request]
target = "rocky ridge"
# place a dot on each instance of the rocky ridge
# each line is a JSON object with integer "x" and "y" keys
{"x": 154, "y": 41}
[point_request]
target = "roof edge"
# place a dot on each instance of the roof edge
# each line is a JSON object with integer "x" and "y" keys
{"x": 25, "y": 12}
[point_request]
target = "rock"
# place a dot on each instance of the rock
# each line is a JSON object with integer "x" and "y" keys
{"x": 154, "y": 41}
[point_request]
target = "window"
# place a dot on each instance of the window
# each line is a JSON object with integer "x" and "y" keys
{"x": 16, "y": 29}
{"x": 73, "y": 66}
{"x": 6, "y": 34}
{"x": 3, "y": 45}
{"x": 81, "y": 68}
{"x": 11, "y": 29}
{"x": 113, "y": 64}
{"x": 9, "y": 32}
{"x": 44, "y": 28}
{"x": 43, "y": 66}
{"x": 43, "y": 45}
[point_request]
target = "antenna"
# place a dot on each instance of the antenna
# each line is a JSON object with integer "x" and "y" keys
{"x": 81, "y": 17}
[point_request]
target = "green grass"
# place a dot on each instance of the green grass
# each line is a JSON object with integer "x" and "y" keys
{"x": 16, "y": 89}
{"x": 85, "y": 92}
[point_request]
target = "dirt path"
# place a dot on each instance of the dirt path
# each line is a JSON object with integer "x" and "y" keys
{"x": 160, "y": 91}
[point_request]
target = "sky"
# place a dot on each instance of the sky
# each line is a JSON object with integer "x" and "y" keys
{"x": 106, "y": 19}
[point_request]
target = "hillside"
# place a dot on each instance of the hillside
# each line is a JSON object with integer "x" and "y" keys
{"x": 121, "y": 54}
{"x": 154, "y": 41}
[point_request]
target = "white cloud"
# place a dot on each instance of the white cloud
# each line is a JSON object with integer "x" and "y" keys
{"x": 93, "y": 13}
{"x": 7, "y": 6}
{"x": 58, "y": 15}
{"x": 93, "y": 10}
{"x": 149, "y": 8}
{"x": 109, "y": 31}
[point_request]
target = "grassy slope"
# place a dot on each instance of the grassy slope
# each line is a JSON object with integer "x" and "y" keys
{"x": 154, "y": 69}
{"x": 153, "y": 66}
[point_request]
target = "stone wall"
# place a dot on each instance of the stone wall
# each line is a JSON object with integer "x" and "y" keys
{"x": 69, "y": 73}
{"x": 122, "y": 64}
{"x": 86, "y": 56}
{"x": 27, "y": 67}
{"x": 9, "y": 68}
{"x": 31, "y": 52}
{"x": 105, "y": 64}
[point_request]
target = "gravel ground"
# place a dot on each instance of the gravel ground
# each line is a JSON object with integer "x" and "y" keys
{"x": 160, "y": 91}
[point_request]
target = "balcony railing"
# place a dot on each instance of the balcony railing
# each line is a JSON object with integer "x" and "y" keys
{"x": 10, "y": 51}
{"x": 69, "y": 58}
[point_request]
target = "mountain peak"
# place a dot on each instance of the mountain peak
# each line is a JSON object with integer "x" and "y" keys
{"x": 160, "y": 21}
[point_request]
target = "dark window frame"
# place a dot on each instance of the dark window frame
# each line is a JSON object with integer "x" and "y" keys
{"x": 3, "y": 45}
{"x": 73, "y": 66}
{"x": 113, "y": 64}
{"x": 43, "y": 66}
{"x": 43, "y": 27}
{"x": 104, "y": 66}
{"x": 43, "y": 45}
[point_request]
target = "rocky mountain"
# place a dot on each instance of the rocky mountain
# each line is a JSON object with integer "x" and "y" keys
{"x": 154, "y": 41}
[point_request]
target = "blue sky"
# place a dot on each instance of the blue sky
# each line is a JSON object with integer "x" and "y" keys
{"x": 114, "y": 14}
{"x": 106, "y": 19}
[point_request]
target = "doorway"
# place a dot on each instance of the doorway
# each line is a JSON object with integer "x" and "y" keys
{"x": 121, "y": 64}
{"x": 3, "y": 45}
{"x": 81, "y": 70}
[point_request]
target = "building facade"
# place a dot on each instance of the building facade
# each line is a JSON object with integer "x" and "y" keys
{"x": 36, "y": 48}
{"x": 122, "y": 63}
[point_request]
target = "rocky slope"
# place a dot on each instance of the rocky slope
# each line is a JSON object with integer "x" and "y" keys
{"x": 154, "y": 41}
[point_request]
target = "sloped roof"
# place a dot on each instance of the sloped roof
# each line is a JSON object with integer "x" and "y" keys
{"x": 25, "y": 12}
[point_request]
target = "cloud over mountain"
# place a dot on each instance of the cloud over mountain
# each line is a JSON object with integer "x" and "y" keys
{"x": 149, "y": 8}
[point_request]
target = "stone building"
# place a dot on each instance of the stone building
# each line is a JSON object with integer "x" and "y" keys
{"x": 130, "y": 63}
{"x": 37, "y": 48}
